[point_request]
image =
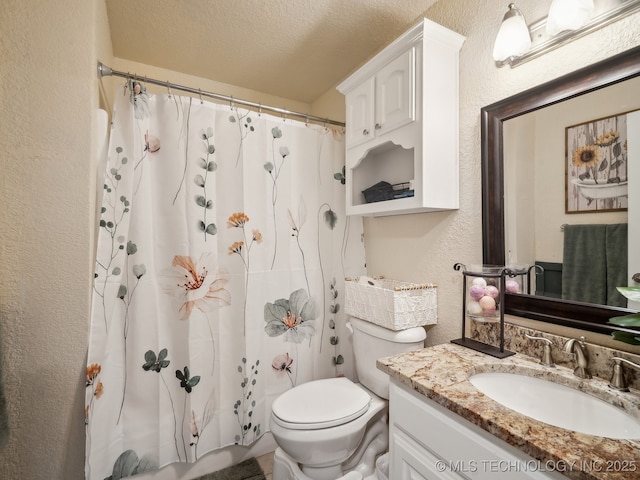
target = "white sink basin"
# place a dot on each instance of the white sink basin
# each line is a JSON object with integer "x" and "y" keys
{"x": 557, "y": 405}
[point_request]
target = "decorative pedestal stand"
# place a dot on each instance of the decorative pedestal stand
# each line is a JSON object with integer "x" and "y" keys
{"x": 483, "y": 301}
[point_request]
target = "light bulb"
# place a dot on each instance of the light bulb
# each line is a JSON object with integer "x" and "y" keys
{"x": 568, "y": 15}
{"x": 513, "y": 39}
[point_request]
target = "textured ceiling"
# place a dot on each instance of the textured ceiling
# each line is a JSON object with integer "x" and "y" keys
{"x": 296, "y": 49}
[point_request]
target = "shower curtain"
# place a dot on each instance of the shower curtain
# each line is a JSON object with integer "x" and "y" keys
{"x": 221, "y": 255}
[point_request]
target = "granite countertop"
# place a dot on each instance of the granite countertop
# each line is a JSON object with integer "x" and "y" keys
{"x": 441, "y": 373}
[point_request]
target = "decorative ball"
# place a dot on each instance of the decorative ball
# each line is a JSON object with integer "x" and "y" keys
{"x": 487, "y": 304}
{"x": 476, "y": 291}
{"x": 474, "y": 308}
{"x": 491, "y": 291}
{"x": 479, "y": 281}
{"x": 512, "y": 286}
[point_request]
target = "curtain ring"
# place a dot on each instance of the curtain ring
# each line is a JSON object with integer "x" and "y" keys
{"x": 231, "y": 103}
{"x": 168, "y": 89}
{"x": 200, "y": 95}
{"x": 306, "y": 120}
{"x": 259, "y": 109}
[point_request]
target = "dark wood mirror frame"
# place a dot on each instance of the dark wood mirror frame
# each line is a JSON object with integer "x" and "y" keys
{"x": 613, "y": 70}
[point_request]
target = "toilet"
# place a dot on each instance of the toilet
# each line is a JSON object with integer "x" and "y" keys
{"x": 335, "y": 429}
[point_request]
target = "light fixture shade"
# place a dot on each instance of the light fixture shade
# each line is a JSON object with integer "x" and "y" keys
{"x": 513, "y": 37}
{"x": 568, "y": 15}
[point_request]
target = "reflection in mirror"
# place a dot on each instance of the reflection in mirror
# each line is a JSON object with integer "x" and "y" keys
{"x": 538, "y": 157}
{"x": 495, "y": 120}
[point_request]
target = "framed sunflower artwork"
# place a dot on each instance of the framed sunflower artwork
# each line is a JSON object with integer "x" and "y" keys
{"x": 596, "y": 177}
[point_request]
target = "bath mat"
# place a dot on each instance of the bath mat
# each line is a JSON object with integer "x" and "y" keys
{"x": 247, "y": 470}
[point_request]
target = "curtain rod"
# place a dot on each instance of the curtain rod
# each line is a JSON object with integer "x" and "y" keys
{"x": 104, "y": 71}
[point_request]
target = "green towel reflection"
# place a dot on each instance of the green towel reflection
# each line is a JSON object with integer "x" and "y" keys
{"x": 595, "y": 263}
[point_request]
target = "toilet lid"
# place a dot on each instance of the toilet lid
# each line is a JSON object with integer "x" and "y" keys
{"x": 320, "y": 404}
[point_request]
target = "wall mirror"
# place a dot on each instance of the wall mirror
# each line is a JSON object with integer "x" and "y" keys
{"x": 496, "y": 234}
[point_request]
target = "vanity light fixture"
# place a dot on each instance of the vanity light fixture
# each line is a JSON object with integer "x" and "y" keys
{"x": 568, "y": 15}
{"x": 513, "y": 38}
{"x": 567, "y": 20}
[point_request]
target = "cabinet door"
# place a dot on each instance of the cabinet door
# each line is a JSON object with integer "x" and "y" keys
{"x": 412, "y": 462}
{"x": 395, "y": 93}
{"x": 359, "y": 110}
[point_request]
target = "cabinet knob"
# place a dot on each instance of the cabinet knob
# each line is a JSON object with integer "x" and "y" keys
{"x": 365, "y": 132}
{"x": 378, "y": 126}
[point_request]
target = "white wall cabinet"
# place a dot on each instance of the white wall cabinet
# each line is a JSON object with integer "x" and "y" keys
{"x": 383, "y": 102}
{"x": 402, "y": 124}
{"x": 429, "y": 442}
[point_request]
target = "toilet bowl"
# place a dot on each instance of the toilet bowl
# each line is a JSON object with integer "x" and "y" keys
{"x": 321, "y": 424}
{"x": 335, "y": 428}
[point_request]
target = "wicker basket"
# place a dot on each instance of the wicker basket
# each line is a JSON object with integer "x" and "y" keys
{"x": 390, "y": 303}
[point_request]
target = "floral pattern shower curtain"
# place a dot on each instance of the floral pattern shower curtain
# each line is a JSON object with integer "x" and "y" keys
{"x": 222, "y": 251}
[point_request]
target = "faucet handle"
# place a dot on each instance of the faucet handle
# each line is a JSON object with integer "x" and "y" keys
{"x": 618, "y": 381}
{"x": 547, "y": 359}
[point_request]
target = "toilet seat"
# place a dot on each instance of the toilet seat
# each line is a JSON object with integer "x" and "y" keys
{"x": 320, "y": 404}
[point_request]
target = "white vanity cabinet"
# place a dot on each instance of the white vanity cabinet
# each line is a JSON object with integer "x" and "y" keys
{"x": 429, "y": 442}
{"x": 402, "y": 125}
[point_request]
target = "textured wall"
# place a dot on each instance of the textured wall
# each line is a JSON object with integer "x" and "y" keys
{"x": 424, "y": 247}
{"x": 49, "y": 87}
{"x": 49, "y": 92}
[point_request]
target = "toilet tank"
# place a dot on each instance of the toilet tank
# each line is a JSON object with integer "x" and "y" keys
{"x": 371, "y": 341}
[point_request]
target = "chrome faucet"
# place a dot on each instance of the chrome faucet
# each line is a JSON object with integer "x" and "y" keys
{"x": 547, "y": 359}
{"x": 579, "y": 348}
{"x": 618, "y": 381}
